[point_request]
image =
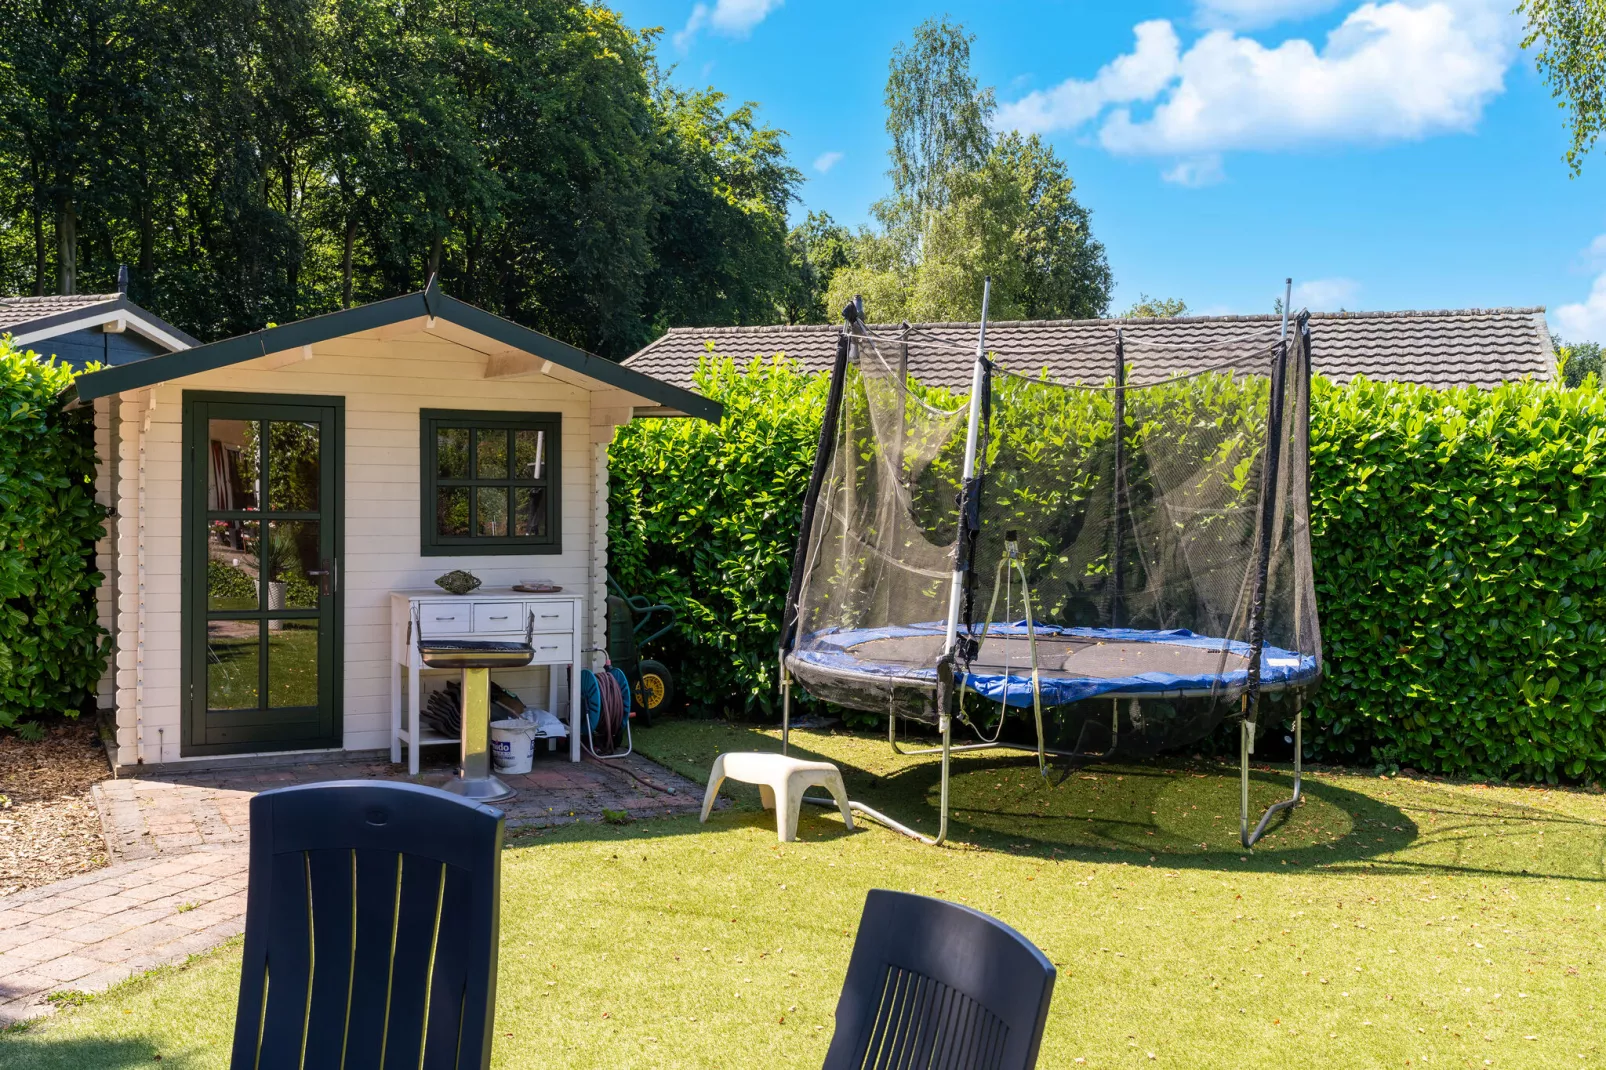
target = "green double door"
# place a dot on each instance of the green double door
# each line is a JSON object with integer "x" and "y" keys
{"x": 261, "y": 583}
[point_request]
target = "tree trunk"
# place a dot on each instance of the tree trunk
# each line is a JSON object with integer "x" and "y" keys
{"x": 38, "y": 248}
{"x": 292, "y": 273}
{"x": 66, "y": 245}
{"x": 147, "y": 240}
{"x": 434, "y": 267}
{"x": 345, "y": 259}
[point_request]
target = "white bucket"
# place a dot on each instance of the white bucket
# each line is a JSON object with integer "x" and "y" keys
{"x": 513, "y": 745}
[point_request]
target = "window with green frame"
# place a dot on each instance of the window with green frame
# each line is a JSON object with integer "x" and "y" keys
{"x": 491, "y": 482}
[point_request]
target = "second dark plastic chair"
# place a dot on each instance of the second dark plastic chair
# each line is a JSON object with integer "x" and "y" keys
{"x": 371, "y": 926}
{"x": 939, "y": 986}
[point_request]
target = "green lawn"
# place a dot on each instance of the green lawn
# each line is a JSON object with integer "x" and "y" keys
{"x": 1390, "y": 922}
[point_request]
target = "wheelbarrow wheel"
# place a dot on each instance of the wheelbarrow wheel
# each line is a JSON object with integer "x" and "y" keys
{"x": 655, "y": 689}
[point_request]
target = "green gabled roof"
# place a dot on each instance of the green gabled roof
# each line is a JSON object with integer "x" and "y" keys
{"x": 427, "y": 302}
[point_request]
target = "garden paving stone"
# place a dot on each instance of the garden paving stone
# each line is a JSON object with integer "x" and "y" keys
{"x": 178, "y": 840}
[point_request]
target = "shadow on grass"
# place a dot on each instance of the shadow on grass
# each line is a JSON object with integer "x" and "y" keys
{"x": 26, "y": 1050}
{"x": 1175, "y": 813}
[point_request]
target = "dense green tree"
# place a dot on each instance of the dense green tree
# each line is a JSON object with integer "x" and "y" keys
{"x": 1013, "y": 218}
{"x": 721, "y": 254}
{"x": 574, "y": 140}
{"x": 818, "y": 248}
{"x": 1146, "y": 307}
{"x": 1576, "y": 361}
{"x": 937, "y": 118}
{"x": 1570, "y": 39}
{"x": 877, "y": 271}
{"x": 259, "y": 162}
{"x": 967, "y": 205}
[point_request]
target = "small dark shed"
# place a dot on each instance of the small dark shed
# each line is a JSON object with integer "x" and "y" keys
{"x": 84, "y": 328}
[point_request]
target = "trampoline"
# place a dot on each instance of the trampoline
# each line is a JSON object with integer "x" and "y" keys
{"x": 1046, "y": 542}
{"x": 1073, "y": 664}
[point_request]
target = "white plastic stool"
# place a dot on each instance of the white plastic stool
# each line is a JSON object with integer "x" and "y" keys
{"x": 781, "y": 783}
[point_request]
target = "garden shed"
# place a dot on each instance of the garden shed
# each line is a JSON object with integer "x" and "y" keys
{"x": 81, "y": 329}
{"x": 276, "y": 496}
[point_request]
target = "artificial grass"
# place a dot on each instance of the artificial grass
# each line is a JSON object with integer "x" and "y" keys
{"x": 1388, "y": 922}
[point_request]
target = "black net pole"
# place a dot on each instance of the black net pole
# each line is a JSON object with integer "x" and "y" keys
{"x": 1302, "y": 371}
{"x": 1270, "y": 474}
{"x": 1257, "y": 606}
{"x": 970, "y": 521}
{"x": 822, "y": 461}
{"x": 1117, "y": 562}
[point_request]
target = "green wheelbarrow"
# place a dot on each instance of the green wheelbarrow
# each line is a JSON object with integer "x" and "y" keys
{"x": 633, "y": 622}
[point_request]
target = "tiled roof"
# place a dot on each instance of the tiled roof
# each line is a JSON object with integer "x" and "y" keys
{"x": 1480, "y": 347}
{"x": 15, "y": 311}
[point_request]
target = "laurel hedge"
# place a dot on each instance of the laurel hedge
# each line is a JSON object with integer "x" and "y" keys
{"x": 52, "y": 651}
{"x": 1459, "y": 558}
{"x": 1457, "y": 535}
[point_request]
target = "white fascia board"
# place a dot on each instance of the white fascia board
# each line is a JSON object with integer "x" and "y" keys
{"x": 129, "y": 320}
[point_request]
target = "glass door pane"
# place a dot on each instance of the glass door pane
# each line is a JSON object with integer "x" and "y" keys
{"x": 264, "y": 493}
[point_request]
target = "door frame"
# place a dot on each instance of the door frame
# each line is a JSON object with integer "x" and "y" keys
{"x": 192, "y": 575}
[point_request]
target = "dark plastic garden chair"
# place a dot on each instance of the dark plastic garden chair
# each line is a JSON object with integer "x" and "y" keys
{"x": 939, "y": 986}
{"x": 370, "y": 929}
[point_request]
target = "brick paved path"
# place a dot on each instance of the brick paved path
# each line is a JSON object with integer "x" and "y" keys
{"x": 176, "y": 885}
{"x": 94, "y": 930}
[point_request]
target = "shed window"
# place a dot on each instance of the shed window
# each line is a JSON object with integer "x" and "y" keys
{"x": 491, "y": 482}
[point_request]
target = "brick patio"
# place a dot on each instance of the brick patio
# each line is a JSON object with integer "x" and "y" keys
{"x": 176, "y": 885}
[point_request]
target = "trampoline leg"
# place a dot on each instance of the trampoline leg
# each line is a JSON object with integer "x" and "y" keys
{"x": 942, "y": 817}
{"x": 1250, "y": 838}
{"x": 1243, "y": 781}
{"x": 786, "y": 707}
{"x": 895, "y": 826}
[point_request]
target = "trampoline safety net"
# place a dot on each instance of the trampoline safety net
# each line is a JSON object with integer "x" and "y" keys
{"x": 1144, "y": 535}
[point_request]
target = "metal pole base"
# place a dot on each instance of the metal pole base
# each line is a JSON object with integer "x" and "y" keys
{"x": 946, "y": 750}
{"x": 1245, "y": 836}
{"x": 474, "y": 779}
{"x": 486, "y": 788}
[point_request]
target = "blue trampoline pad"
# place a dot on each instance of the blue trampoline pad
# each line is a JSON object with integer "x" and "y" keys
{"x": 1072, "y": 663}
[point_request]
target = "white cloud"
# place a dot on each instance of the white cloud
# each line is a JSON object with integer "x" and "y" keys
{"x": 1246, "y": 14}
{"x": 1325, "y": 295}
{"x": 827, "y": 160}
{"x": 1395, "y": 70}
{"x": 1585, "y": 321}
{"x": 1196, "y": 171}
{"x": 733, "y": 18}
{"x": 1138, "y": 75}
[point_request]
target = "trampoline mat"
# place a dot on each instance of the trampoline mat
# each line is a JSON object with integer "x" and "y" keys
{"x": 1057, "y": 656}
{"x": 1073, "y": 663}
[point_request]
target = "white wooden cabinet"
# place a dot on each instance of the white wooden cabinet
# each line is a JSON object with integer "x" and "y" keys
{"x": 503, "y": 614}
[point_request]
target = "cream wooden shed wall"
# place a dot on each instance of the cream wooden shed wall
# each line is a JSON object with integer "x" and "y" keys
{"x": 385, "y": 381}
{"x": 106, "y": 547}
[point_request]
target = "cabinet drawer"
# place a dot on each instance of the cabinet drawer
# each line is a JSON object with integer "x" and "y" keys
{"x": 556, "y": 648}
{"x": 499, "y": 617}
{"x": 553, "y": 616}
{"x": 436, "y": 618}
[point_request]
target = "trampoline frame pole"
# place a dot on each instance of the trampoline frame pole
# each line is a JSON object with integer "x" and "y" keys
{"x": 978, "y": 373}
{"x": 1248, "y": 838}
{"x": 786, "y": 704}
{"x": 955, "y": 595}
{"x": 1031, "y": 644}
{"x": 823, "y": 456}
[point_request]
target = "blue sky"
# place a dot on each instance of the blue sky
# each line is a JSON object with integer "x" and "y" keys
{"x": 1387, "y": 155}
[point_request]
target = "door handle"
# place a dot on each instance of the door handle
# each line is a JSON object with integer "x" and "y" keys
{"x": 328, "y": 576}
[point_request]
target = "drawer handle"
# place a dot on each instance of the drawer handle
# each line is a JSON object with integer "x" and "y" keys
{"x": 502, "y": 617}
{"x": 445, "y": 618}
{"x": 550, "y": 616}
{"x": 552, "y": 647}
